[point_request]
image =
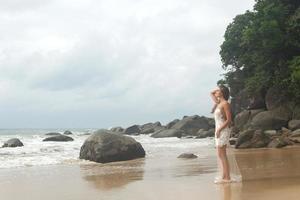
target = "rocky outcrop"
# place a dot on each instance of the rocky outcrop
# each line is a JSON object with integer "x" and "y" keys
{"x": 168, "y": 133}
{"x": 252, "y": 139}
{"x": 190, "y": 125}
{"x": 58, "y": 138}
{"x": 132, "y": 130}
{"x": 106, "y": 146}
{"x": 205, "y": 133}
{"x": 294, "y": 124}
{"x": 151, "y": 127}
{"x": 14, "y": 142}
{"x": 170, "y": 124}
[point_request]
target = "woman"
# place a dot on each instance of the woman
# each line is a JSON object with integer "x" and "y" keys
{"x": 223, "y": 124}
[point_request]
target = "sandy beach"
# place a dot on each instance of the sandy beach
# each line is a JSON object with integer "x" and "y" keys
{"x": 267, "y": 174}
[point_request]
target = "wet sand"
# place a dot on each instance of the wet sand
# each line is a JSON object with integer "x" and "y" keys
{"x": 267, "y": 174}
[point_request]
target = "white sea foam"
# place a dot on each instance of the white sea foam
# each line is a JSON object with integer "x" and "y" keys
{"x": 36, "y": 152}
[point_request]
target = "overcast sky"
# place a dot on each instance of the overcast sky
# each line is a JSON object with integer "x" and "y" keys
{"x": 98, "y": 64}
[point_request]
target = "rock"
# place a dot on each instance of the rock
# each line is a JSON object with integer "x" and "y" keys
{"x": 285, "y": 130}
{"x": 271, "y": 132}
{"x": 275, "y": 97}
{"x": 132, "y": 130}
{"x": 252, "y": 139}
{"x": 170, "y": 124}
{"x": 59, "y": 138}
{"x": 168, "y": 133}
{"x": 244, "y": 137}
{"x": 259, "y": 139}
{"x": 267, "y": 120}
{"x": 14, "y": 142}
{"x": 67, "y": 132}
{"x": 277, "y": 142}
{"x": 243, "y": 119}
{"x": 53, "y": 133}
{"x": 190, "y": 125}
{"x": 232, "y": 141}
{"x": 106, "y": 146}
{"x": 150, "y": 127}
{"x": 294, "y": 124}
{"x": 117, "y": 129}
{"x": 187, "y": 155}
{"x": 242, "y": 100}
{"x": 205, "y": 133}
{"x": 295, "y": 133}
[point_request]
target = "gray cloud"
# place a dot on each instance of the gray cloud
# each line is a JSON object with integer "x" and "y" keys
{"x": 104, "y": 63}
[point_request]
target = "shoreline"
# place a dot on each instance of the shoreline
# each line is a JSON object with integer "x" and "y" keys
{"x": 267, "y": 174}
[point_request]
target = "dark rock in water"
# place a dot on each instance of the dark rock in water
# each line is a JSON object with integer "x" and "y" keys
{"x": 294, "y": 124}
{"x": 67, "y": 132}
{"x": 59, "y": 138}
{"x": 170, "y": 124}
{"x": 168, "y": 133}
{"x": 187, "y": 155}
{"x": 132, "y": 130}
{"x": 117, "y": 129}
{"x": 190, "y": 125}
{"x": 106, "y": 146}
{"x": 53, "y": 133}
{"x": 14, "y": 142}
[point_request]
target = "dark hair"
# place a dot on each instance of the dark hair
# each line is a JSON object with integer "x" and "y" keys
{"x": 225, "y": 91}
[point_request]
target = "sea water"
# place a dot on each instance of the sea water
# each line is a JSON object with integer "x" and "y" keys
{"x": 36, "y": 152}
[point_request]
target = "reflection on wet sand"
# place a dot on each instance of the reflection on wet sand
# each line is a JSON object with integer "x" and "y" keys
{"x": 112, "y": 175}
{"x": 269, "y": 163}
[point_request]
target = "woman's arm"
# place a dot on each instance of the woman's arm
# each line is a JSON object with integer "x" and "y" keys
{"x": 228, "y": 117}
{"x": 212, "y": 94}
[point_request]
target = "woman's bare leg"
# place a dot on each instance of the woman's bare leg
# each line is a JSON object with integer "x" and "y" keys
{"x": 225, "y": 165}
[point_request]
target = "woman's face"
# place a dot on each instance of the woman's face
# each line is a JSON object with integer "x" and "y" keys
{"x": 218, "y": 93}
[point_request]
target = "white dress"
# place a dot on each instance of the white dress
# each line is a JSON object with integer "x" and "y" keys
{"x": 235, "y": 173}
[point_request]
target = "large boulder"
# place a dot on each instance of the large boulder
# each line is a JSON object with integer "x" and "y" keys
{"x": 252, "y": 139}
{"x": 187, "y": 155}
{"x": 58, "y": 138}
{"x": 268, "y": 120}
{"x": 242, "y": 100}
{"x": 14, "y": 142}
{"x": 150, "y": 127}
{"x": 279, "y": 142}
{"x": 132, "y": 130}
{"x": 168, "y": 133}
{"x": 191, "y": 124}
{"x": 243, "y": 119}
{"x": 205, "y": 133}
{"x": 106, "y": 146}
{"x": 170, "y": 124}
{"x": 294, "y": 124}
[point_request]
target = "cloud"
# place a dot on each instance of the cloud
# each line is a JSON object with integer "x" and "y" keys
{"x": 110, "y": 62}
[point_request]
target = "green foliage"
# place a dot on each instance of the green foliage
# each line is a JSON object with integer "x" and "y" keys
{"x": 262, "y": 48}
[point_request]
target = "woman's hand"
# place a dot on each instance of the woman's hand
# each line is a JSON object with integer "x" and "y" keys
{"x": 218, "y": 133}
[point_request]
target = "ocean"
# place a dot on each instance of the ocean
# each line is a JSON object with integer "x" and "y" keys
{"x": 35, "y": 152}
